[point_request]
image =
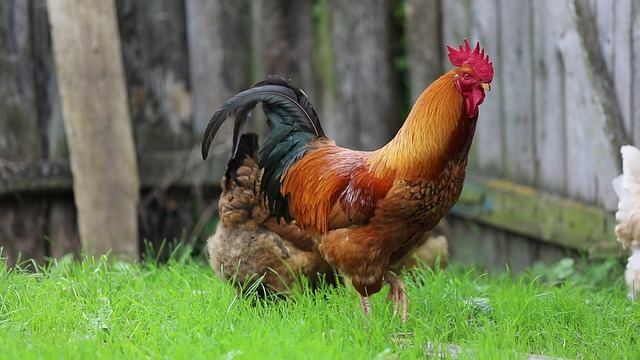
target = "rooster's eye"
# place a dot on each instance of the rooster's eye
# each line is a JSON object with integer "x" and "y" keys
{"x": 467, "y": 76}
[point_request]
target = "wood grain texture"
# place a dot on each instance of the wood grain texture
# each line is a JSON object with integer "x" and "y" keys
{"x": 635, "y": 74}
{"x": 283, "y": 41}
{"x": 19, "y": 134}
{"x": 598, "y": 52}
{"x": 526, "y": 211}
{"x": 155, "y": 58}
{"x": 488, "y": 153}
{"x": 361, "y": 37}
{"x": 61, "y": 230}
{"x": 594, "y": 123}
{"x": 90, "y": 74}
{"x": 21, "y": 217}
{"x": 622, "y": 60}
{"x": 424, "y": 48}
{"x": 544, "y": 123}
{"x": 218, "y": 38}
{"x": 549, "y": 103}
{"x": 516, "y": 90}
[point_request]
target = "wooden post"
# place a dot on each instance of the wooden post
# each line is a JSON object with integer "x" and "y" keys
{"x": 88, "y": 60}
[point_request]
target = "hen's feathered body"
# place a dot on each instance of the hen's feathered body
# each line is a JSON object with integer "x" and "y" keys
{"x": 627, "y": 186}
{"x": 249, "y": 245}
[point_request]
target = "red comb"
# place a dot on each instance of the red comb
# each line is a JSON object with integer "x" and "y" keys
{"x": 476, "y": 58}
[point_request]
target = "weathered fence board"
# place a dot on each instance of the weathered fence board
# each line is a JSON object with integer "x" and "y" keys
{"x": 90, "y": 74}
{"x": 488, "y": 151}
{"x": 526, "y": 211}
{"x": 19, "y": 131}
{"x": 219, "y": 58}
{"x": 516, "y": 80}
{"x": 621, "y": 63}
{"x": 589, "y": 158}
{"x": 21, "y": 217}
{"x": 361, "y": 36}
{"x": 154, "y": 50}
{"x": 549, "y": 107}
{"x": 61, "y": 230}
{"x": 545, "y": 124}
{"x": 284, "y": 39}
{"x": 282, "y": 42}
{"x": 634, "y": 129}
{"x": 424, "y": 48}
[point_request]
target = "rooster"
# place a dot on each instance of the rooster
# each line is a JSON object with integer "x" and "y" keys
{"x": 627, "y": 186}
{"x": 366, "y": 210}
{"x": 252, "y": 251}
{"x": 249, "y": 247}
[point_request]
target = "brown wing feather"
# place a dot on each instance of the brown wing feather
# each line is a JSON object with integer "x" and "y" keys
{"x": 331, "y": 187}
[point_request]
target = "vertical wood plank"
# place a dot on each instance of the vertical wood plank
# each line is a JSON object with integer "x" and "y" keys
{"x": 61, "y": 231}
{"x": 456, "y": 24}
{"x": 21, "y": 218}
{"x": 516, "y": 81}
{"x": 424, "y": 46}
{"x": 22, "y": 221}
{"x": 622, "y": 62}
{"x": 90, "y": 74}
{"x": 605, "y": 22}
{"x": 19, "y": 135}
{"x": 219, "y": 58}
{"x": 614, "y": 30}
{"x": 473, "y": 243}
{"x": 550, "y": 111}
{"x": 489, "y": 143}
{"x": 521, "y": 253}
{"x": 463, "y": 242}
{"x": 219, "y": 51}
{"x": 154, "y": 44}
{"x": 580, "y": 106}
{"x": 62, "y": 227}
{"x": 284, "y": 42}
{"x": 326, "y": 83}
{"x": 549, "y": 254}
{"x": 154, "y": 50}
{"x": 591, "y": 159}
{"x": 366, "y": 93}
{"x": 635, "y": 74}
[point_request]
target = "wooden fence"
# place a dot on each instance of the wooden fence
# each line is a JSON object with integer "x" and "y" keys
{"x": 565, "y": 95}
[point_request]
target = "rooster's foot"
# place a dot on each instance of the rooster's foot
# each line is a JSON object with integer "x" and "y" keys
{"x": 365, "y": 303}
{"x": 398, "y": 293}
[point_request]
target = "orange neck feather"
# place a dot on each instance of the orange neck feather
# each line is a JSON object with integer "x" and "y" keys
{"x": 435, "y": 130}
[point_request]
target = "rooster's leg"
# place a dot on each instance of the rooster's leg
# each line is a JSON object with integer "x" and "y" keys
{"x": 365, "y": 303}
{"x": 398, "y": 293}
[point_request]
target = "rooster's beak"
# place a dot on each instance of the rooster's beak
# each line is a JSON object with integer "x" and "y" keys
{"x": 486, "y": 86}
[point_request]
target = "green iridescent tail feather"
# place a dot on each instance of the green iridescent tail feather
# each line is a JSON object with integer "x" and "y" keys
{"x": 292, "y": 121}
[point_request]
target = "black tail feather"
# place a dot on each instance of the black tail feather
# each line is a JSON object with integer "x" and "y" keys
{"x": 293, "y": 124}
{"x": 247, "y": 148}
{"x": 279, "y": 100}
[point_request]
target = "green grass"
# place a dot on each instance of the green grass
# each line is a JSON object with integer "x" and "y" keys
{"x": 97, "y": 309}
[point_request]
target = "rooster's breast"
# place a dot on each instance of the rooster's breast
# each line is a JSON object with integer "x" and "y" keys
{"x": 421, "y": 202}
